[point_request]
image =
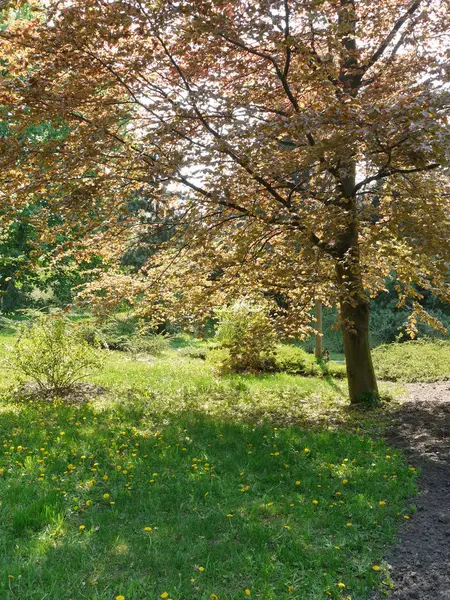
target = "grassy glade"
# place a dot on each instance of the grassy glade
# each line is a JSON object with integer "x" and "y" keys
{"x": 184, "y": 484}
{"x": 98, "y": 504}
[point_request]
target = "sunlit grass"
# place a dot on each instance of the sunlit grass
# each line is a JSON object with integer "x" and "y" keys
{"x": 176, "y": 480}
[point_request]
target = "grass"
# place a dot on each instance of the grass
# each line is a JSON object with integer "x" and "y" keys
{"x": 413, "y": 361}
{"x": 177, "y": 481}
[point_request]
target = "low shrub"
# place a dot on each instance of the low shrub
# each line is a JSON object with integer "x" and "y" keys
{"x": 418, "y": 360}
{"x": 125, "y": 334}
{"x": 50, "y": 352}
{"x": 296, "y": 361}
{"x": 193, "y": 352}
{"x": 246, "y": 331}
{"x": 148, "y": 344}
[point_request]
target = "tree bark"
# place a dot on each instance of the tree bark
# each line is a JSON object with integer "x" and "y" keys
{"x": 355, "y": 311}
{"x": 319, "y": 327}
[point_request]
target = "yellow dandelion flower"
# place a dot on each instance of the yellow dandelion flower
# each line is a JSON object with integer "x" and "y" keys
{"x": 120, "y": 597}
{"x": 213, "y": 597}
{"x": 201, "y": 569}
{"x": 229, "y": 515}
{"x": 382, "y": 503}
{"x": 106, "y": 496}
{"x": 341, "y": 585}
{"x": 349, "y": 524}
{"x": 376, "y": 568}
{"x": 287, "y": 527}
{"x": 297, "y": 483}
{"x": 148, "y": 529}
{"x": 247, "y": 592}
{"x": 315, "y": 502}
{"x": 82, "y": 527}
{"x": 164, "y": 595}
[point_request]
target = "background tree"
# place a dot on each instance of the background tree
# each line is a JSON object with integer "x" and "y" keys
{"x": 201, "y": 96}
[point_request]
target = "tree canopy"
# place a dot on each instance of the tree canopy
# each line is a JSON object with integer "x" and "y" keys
{"x": 301, "y": 147}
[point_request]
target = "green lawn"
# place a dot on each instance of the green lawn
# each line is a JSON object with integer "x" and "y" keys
{"x": 177, "y": 481}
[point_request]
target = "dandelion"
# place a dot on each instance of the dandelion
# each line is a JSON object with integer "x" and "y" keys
{"x": 106, "y": 496}
{"x": 164, "y": 595}
{"x": 382, "y": 503}
{"x": 82, "y": 527}
{"x": 148, "y": 529}
{"x": 376, "y": 568}
{"x": 120, "y": 597}
{"x": 201, "y": 569}
{"x": 315, "y": 502}
{"x": 341, "y": 585}
{"x": 287, "y": 527}
{"x": 247, "y": 592}
{"x": 229, "y": 515}
{"x": 213, "y": 597}
{"x": 297, "y": 483}
{"x": 349, "y": 524}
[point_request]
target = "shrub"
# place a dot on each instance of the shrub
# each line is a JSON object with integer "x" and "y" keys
{"x": 418, "y": 360}
{"x": 147, "y": 344}
{"x": 126, "y": 334}
{"x": 296, "y": 361}
{"x": 193, "y": 352}
{"x": 246, "y": 331}
{"x": 50, "y": 352}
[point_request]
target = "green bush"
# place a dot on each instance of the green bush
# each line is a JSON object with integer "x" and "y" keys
{"x": 50, "y": 352}
{"x": 194, "y": 352}
{"x": 147, "y": 344}
{"x": 126, "y": 334}
{"x": 296, "y": 361}
{"x": 418, "y": 360}
{"x": 246, "y": 331}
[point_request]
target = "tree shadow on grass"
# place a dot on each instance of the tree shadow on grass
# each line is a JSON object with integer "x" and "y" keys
{"x": 227, "y": 504}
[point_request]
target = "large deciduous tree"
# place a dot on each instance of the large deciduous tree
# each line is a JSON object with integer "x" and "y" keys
{"x": 304, "y": 144}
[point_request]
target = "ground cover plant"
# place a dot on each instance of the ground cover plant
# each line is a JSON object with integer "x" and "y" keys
{"x": 181, "y": 483}
{"x": 420, "y": 360}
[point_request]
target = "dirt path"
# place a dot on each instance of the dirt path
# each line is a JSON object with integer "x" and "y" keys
{"x": 420, "y": 561}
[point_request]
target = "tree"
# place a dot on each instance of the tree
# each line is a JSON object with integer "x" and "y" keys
{"x": 201, "y": 96}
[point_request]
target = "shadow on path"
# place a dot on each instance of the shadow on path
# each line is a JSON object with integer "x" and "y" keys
{"x": 420, "y": 561}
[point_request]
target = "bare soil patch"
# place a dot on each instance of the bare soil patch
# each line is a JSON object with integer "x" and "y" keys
{"x": 420, "y": 560}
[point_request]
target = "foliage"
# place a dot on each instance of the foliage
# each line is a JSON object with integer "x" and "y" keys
{"x": 245, "y": 329}
{"x": 296, "y": 361}
{"x": 49, "y": 352}
{"x": 194, "y": 352}
{"x": 125, "y": 333}
{"x": 421, "y": 360}
{"x": 320, "y": 134}
{"x": 154, "y": 344}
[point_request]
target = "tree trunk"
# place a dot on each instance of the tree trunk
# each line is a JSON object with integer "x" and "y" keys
{"x": 319, "y": 327}
{"x": 355, "y": 310}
